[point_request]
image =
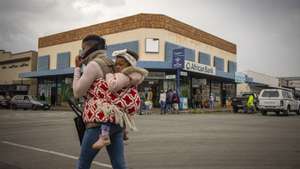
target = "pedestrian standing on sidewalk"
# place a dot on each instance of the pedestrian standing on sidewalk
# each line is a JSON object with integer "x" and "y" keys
{"x": 169, "y": 97}
{"x": 175, "y": 102}
{"x": 162, "y": 101}
{"x": 211, "y": 102}
{"x": 143, "y": 99}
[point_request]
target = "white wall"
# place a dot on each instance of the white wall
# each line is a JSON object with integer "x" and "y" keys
{"x": 263, "y": 78}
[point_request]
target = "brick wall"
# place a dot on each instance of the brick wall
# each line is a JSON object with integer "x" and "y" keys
{"x": 139, "y": 21}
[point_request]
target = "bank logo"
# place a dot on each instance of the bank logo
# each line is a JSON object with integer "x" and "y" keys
{"x": 199, "y": 68}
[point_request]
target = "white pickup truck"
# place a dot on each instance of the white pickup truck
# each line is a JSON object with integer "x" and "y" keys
{"x": 278, "y": 100}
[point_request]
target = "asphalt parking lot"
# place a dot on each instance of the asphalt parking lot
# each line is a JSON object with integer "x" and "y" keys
{"x": 48, "y": 140}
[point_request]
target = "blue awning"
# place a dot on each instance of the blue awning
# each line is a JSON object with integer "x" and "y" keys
{"x": 226, "y": 75}
{"x": 53, "y": 72}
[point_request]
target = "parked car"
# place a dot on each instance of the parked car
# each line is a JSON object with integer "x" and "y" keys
{"x": 28, "y": 102}
{"x": 278, "y": 100}
{"x": 4, "y": 102}
{"x": 240, "y": 102}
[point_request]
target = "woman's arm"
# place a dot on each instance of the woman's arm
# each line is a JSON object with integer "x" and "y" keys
{"x": 81, "y": 84}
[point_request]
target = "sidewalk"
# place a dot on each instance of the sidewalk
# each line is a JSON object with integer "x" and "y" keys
{"x": 192, "y": 111}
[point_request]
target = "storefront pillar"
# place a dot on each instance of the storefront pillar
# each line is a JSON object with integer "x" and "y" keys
{"x": 209, "y": 88}
{"x": 178, "y": 81}
{"x": 190, "y": 100}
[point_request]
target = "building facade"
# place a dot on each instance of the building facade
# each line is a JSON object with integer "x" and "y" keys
{"x": 11, "y": 65}
{"x": 292, "y": 83}
{"x": 206, "y": 63}
{"x": 255, "y": 82}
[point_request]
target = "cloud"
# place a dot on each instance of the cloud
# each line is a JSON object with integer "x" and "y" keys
{"x": 265, "y": 31}
{"x": 22, "y": 22}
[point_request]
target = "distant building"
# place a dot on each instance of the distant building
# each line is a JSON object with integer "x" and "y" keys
{"x": 11, "y": 65}
{"x": 255, "y": 82}
{"x": 207, "y": 62}
{"x": 292, "y": 83}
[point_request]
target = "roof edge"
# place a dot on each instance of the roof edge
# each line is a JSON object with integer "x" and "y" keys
{"x": 142, "y": 20}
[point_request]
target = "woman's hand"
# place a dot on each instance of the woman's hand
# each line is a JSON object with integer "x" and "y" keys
{"x": 78, "y": 61}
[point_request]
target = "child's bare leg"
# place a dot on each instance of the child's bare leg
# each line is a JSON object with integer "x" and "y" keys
{"x": 104, "y": 139}
{"x": 125, "y": 137}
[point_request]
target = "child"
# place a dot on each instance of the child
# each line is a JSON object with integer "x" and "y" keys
{"x": 126, "y": 75}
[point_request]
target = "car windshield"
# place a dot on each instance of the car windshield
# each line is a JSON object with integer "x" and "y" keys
{"x": 246, "y": 95}
{"x": 270, "y": 94}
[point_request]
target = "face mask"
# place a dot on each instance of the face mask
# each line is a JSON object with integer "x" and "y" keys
{"x": 88, "y": 50}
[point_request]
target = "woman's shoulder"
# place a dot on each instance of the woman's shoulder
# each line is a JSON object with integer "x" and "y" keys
{"x": 92, "y": 66}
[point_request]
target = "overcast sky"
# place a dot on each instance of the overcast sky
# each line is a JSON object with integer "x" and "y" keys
{"x": 266, "y": 32}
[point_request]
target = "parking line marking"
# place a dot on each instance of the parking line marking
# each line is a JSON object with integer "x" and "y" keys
{"x": 53, "y": 152}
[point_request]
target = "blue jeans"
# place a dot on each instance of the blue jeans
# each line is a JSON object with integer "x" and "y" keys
{"x": 168, "y": 107}
{"x": 162, "y": 107}
{"x": 211, "y": 104}
{"x": 115, "y": 149}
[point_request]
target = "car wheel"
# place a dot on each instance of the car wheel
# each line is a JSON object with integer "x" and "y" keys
{"x": 298, "y": 112}
{"x": 287, "y": 111}
{"x": 34, "y": 107}
{"x": 278, "y": 113}
{"x": 263, "y": 112}
{"x": 46, "y": 108}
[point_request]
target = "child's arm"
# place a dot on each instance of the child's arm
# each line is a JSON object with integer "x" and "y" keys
{"x": 136, "y": 78}
{"x": 117, "y": 81}
{"x": 135, "y": 74}
{"x": 128, "y": 77}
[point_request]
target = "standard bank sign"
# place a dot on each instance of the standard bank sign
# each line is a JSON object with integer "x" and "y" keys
{"x": 199, "y": 68}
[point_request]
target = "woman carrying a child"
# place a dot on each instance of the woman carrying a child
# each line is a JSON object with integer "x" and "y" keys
{"x": 111, "y": 99}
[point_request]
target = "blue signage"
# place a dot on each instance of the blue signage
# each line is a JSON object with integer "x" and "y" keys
{"x": 240, "y": 77}
{"x": 178, "y": 58}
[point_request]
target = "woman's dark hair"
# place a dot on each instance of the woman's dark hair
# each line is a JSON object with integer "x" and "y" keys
{"x": 100, "y": 41}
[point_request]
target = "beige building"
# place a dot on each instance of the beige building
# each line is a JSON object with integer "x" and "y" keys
{"x": 255, "y": 82}
{"x": 11, "y": 65}
{"x": 292, "y": 83}
{"x": 208, "y": 63}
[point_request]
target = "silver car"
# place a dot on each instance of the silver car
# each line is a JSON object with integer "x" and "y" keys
{"x": 278, "y": 100}
{"x": 28, "y": 102}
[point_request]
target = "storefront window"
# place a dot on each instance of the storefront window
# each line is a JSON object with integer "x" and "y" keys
{"x": 44, "y": 88}
{"x": 56, "y": 90}
{"x": 184, "y": 87}
{"x": 64, "y": 91}
{"x": 230, "y": 90}
{"x": 216, "y": 92}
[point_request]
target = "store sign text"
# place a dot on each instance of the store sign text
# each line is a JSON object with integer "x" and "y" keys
{"x": 199, "y": 68}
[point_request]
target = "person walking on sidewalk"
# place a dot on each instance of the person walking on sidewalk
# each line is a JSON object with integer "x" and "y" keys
{"x": 175, "y": 102}
{"x": 162, "y": 101}
{"x": 169, "y": 97}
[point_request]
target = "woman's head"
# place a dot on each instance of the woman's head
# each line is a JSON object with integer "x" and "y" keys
{"x": 125, "y": 58}
{"x": 92, "y": 43}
